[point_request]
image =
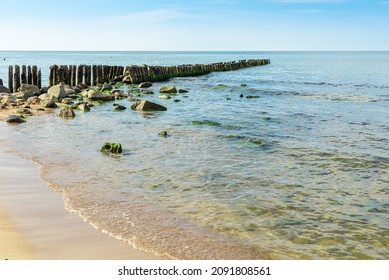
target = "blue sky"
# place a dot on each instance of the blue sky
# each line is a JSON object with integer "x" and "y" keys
{"x": 262, "y": 25}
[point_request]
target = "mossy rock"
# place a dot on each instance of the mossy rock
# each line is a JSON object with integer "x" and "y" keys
{"x": 114, "y": 148}
{"x": 205, "y": 122}
{"x": 222, "y": 85}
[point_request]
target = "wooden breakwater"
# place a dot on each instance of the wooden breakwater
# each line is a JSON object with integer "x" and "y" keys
{"x": 23, "y": 75}
{"x": 74, "y": 75}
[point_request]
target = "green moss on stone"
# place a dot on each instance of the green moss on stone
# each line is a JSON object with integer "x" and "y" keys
{"x": 115, "y": 148}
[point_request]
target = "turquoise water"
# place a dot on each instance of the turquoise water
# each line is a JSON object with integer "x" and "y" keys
{"x": 301, "y": 172}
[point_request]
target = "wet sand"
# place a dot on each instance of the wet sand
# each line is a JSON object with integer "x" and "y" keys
{"x": 35, "y": 225}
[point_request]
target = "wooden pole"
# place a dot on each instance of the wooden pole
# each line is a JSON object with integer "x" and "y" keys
{"x": 24, "y": 75}
{"x": 16, "y": 78}
{"x": 10, "y": 78}
{"x": 34, "y": 78}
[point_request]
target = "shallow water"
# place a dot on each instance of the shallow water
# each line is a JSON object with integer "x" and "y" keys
{"x": 299, "y": 173}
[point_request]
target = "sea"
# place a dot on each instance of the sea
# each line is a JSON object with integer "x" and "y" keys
{"x": 284, "y": 161}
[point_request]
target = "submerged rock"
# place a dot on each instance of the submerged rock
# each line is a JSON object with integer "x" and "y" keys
{"x": 205, "y": 122}
{"x": 15, "y": 119}
{"x": 164, "y": 96}
{"x": 23, "y": 111}
{"x": 145, "y": 105}
{"x": 83, "y": 107}
{"x": 115, "y": 148}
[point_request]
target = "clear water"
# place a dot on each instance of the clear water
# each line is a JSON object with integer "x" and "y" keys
{"x": 317, "y": 188}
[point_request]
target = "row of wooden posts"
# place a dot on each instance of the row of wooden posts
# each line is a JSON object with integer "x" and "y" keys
{"x": 93, "y": 74}
{"x": 29, "y": 75}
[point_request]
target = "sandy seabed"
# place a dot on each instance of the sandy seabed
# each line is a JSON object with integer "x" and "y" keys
{"x": 35, "y": 225}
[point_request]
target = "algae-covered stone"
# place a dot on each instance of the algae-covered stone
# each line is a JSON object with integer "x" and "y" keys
{"x": 145, "y": 85}
{"x": 119, "y": 107}
{"x": 205, "y": 122}
{"x": 145, "y": 105}
{"x": 115, "y": 148}
{"x": 15, "y": 119}
{"x": 222, "y": 85}
{"x": 168, "y": 89}
{"x": 163, "y": 133}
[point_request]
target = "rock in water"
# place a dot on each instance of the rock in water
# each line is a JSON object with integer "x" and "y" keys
{"x": 119, "y": 107}
{"x": 67, "y": 113}
{"x": 15, "y": 119}
{"x": 145, "y": 85}
{"x": 115, "y": 148}
{"x": 98, "y": 95}
{"x": 145, "y": 105}
{"x": 168, "y": 89}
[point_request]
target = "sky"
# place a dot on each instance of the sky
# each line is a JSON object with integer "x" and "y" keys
{"x": 204, "y": 25}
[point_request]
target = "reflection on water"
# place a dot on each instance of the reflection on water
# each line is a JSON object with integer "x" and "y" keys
{"x": 293, "y": 174}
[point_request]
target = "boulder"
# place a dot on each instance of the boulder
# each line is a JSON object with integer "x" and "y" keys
{"x": 106, "y": 86}
{"x": 67, "y": 113}
{"x": 48, "y": 104}
{"x": 15, "y": 119}
{"x": 115, "y": 148}
{"x": 4, "y": 89}
{"x": 35, "y": 100}
{"x": 67, "y": 101}
{"x": 145, "y": 85}
{"x": 45, "y": 96}
{"x": 57, "y": 91}
{"x": 25, "y": 87}
{"x": 70, "y": 92}
{"x": 145, "y": 105}
{"x": 168, "y": 89}
{"x": 23, "y": 94}
{"x": 98, "y": 95}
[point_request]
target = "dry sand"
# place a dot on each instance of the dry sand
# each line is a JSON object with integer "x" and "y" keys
{"x": 35, "y": 225}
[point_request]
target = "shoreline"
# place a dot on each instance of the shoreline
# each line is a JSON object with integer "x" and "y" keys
{"x": 31, "y": 233}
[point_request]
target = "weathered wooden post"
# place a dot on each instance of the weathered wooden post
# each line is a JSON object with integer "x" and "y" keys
{"x": 10, "y": 78}
{"x": 16, "y": 78}
{"x": 34, "y": 74}
{"x": 29, "y": 75}
{"x": 39, "y": 79}
{"x": 80, "y": 72}
{"x": 24, "y": 75}
{"x": 74, "y": 75}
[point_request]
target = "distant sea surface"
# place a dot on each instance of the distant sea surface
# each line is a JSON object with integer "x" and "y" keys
{"x": 297, "y": 169}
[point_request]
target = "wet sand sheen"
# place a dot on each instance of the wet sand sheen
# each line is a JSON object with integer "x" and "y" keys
{"x": 35, "y": 225}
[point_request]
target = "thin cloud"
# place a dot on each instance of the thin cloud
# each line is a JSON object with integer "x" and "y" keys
{"x": 152, "y": 16}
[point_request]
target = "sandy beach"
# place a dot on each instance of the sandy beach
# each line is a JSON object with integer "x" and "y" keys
{"x": 35, "y": 225}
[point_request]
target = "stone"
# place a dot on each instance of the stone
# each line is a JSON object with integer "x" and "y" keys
{"x": 66, "y": 100}
{"x": 168, "y": 89}
{"x": 119, "y": 107}
{"x": 164, "y": 96}
{"x": 163, "y": 133}
{"x": 98, "y": 95}
{"x": 23, "y": 111}
{"x": 70, "y": 92}
{"x": 25, "y": 87}
{"x": 252, "y": 96}
{"x": 48, "y": 104}
{"x": 106, "y": 86}
{"x": 44, "y": 90}
{"x": 57, "y": 91}
{"x": 148, "y": 92}
{"x": 132, "y": 99}
{"x": 45, "y": 96}
{"x": 243, "y": 85}
{"x": 66, "y": 113}
{"x": 76, "y": 89}
{"x": 34, "y": 100}
{"x": 7, "y": 99}
{"x": 127, "y": 79}
{"x": 83, "y": 107}
{"x": 145, "y": 105}
{"x": 23, "y": 94}
{"x": 181, "y": 90}
{"x": 205, "y": 122}
{"x": 145, "y": 85}
{"x": 15, "y": 119}
{"x": 82, "y": 86}
{"x": 115, "y": 148}
{"x": 4, "y": 89}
